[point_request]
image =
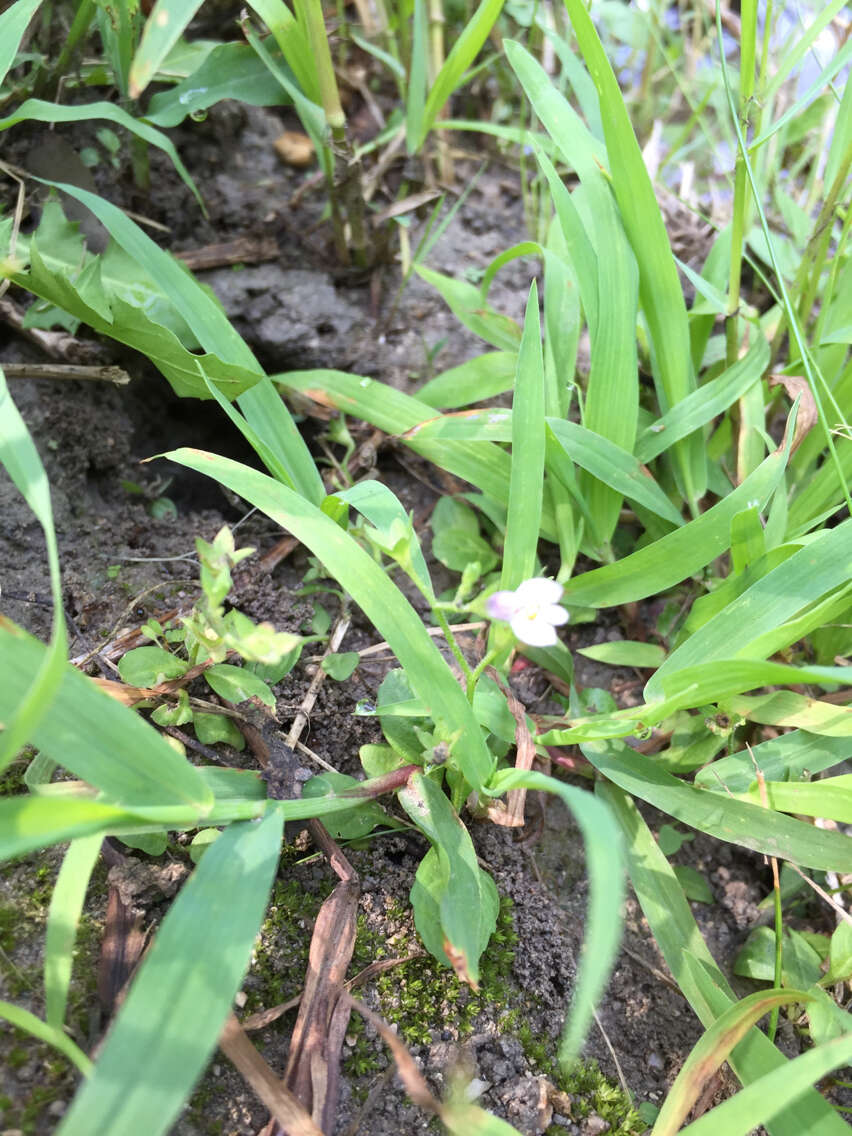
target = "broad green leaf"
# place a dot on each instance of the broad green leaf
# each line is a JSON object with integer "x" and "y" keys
{"x": 66, "y": 904}
{"x": 20, "y": 458}
{"x": 147, "y": 666}
{"x": 462, "y": 54}
{"x": 383, "y": 603}
{"x": 95, "y": 737}
{"x": 52, "y": 1035}
{"x": 695, "y": 886}
{"x": 625, "y": 653}
{"x": 786, "y": 708}
{"x": 165, "y": 24}
{"x": 230, "y": 71}
{"x": 784, "y": 758}
{"x": 341, "y": 666}
{"x": 461, "y": 896}
{"x": 36, "y": 110}
{"x": 709, "y": 1053}
{"x": 211, "y": 729}
{"x": 360, "y": 820}
{"x": 696, "y": 973}
{"x": 150, "y": 1060}
{"x": 733, "y": 821}
{"x": 679, "y": 554}
{"x": 479, "y": 379}
{"x": 236, "y": 684}
{"x": 13, "y": 24}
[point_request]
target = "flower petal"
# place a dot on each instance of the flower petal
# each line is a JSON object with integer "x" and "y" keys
{"x": 531, "y": 629}
{"x": 539, "y": 591}
{"x": 554, "y": 614}
{"x": 502, "y": 605}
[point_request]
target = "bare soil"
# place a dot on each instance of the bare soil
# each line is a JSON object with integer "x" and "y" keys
{"x": 299, "y": 311}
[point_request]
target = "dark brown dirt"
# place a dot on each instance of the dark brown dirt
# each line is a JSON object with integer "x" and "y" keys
{"x": 298, "y": 312}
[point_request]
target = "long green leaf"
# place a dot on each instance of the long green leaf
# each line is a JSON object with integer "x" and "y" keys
{"x": 761, "y": 1102}
{"x": 95, "y": 737}
{"x": 787, "y": 757}
{"x": 712, "y": 1050}
{"x": 21, "y": 460}
{"x": 24, "y": 1020}
{"x": 66, "y": 903}
{"x": 170, "y": 1022}
{"x": 368, "y": 585}
{"x": 463, "y": 53}
{"x": 166, "y": 22}
{"x": 36, "y": 110}
{"x": 822, "y": 565}
{"x": 525, "y": 484}
{"x": 605, "y": 868}
{"x": 696, "y": 973}
{"x": 679, "y": 554}
{"x": 733, "y": 821}
{"x": 13, "y": 24}
{"x": 659, "y": 286}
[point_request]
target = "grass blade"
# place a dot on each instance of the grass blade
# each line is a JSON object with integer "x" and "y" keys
{"x": 784, "y": 758}
{"x": 733, "y": 821}
{"x": 13, "y": 24}
{"x": 166, "y": 22}
{"x": 199, "y": 956}
{"x": 66, "y": 903}
{"x": 703, "y": 984}
{"x": 659, "y": 287}
{"x": 93, "y": 736}
{"x": 21, "y": 460}
{"x": 24, "y": 1020}
{"x": 605, "y": 868}
{"x": 35, "y": 110}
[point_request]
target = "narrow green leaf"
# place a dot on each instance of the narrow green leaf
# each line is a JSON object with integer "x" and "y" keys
{"x": 13, "y": 24}
{"x": 479, "y": 379}
{"x": 24, "y": 1020}
{"x": 711, "y": 1051}
{"x": 679, "y": 554}
{"x": 625, "y": 653}
{"x": 733, "y": 821}
{"x": 468, "y": 307}
{"x": 63, "y": 917}
{"x": 605, "y": 869}
{"x": 21, "y": 460}
{"x": 368, "y": 585}
{"x": 696, "y": 972}
{"x": 95, "y": 737}
{"x": 761, "y": 1102}
{"x": 150, "y": 1060}
{"x": 166, "y": 22}
{"x": 784, "y": 758}
{"x": 36, "y": 110}
{"x": 525, "y": 485}
{"x": 463, "y": 52}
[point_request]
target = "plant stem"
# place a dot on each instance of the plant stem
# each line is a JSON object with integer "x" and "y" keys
{"x": 452, "y": 642}
{"x": 739, "y": 220}
{"x": 474, "y": 676}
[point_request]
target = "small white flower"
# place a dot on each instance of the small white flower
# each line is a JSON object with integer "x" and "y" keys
{"x": 531, "y": 611}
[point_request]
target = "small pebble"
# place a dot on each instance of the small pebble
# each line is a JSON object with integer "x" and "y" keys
{"x": 57, "y": 1109}
{"x": 594, "y": 1125}
{"x": 655, "y": 1061}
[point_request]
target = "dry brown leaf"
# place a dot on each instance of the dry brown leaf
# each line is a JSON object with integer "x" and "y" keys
{"x": 807, "y": 418}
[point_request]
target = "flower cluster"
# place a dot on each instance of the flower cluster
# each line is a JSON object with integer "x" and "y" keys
{"x": 532, "y": 611}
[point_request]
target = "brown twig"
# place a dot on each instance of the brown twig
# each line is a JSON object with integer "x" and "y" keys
{"x": 115, "y": 375}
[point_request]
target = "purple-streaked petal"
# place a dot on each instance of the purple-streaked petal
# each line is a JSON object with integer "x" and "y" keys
{"x": 501, "y": 605}
{"x": 554, "y": 614}
{"x": 532, "y": 629}
{"x": 538, "y": 592}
